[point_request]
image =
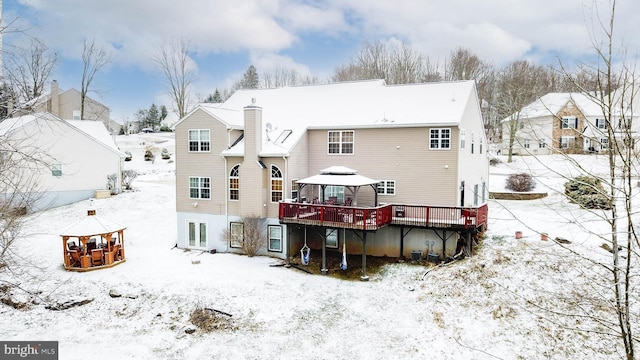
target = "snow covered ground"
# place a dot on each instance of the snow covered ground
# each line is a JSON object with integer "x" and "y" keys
{"x": 493, "y": 305}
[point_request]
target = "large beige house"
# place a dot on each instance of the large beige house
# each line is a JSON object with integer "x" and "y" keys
{"x": 66, "y": 105}
{"x": 57, "y": 162}
{"x": 403, "y": 166}
{"x": 557, "y": 122}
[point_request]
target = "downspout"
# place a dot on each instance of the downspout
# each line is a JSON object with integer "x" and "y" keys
{"x": 284, "y": 188}
{"x": 226, "y": 202}
{"x": 226, "y": 195}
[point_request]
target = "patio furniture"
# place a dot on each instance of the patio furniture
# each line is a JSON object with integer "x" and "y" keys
{"x": 96, "y": 257}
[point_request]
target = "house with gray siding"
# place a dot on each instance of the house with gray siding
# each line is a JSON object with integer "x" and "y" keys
{"x": 423, "y": 147}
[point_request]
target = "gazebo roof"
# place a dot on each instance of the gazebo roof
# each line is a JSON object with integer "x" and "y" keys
{"x": 338, "y": 175}
{"x": 92, "y": 225}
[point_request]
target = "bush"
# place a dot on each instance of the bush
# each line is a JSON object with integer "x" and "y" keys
{"x": 521, "y": 182}
{"x": 588, "y": 192}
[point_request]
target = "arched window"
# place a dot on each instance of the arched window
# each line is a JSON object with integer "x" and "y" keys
{"x": 234, "y": 183}
{"x": 276, "y": 184}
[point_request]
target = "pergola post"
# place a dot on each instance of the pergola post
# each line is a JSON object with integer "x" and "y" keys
{"x": 364, "y": 276}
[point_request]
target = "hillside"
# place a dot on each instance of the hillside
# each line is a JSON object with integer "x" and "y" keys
{"x": 513, "y": 300}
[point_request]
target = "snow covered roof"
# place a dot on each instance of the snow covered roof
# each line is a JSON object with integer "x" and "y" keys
{"x": 92, "y": 225}
{"x": 552, "y": 103}
{"x": 91, "y": 128}
{"x": 96, "y": 130}
{"x": 338, "y": 175}
{"x": 288, "y": 112}
{"x": 10, "y": 124}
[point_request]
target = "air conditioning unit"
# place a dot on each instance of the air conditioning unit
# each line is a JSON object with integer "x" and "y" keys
{"x": 416, "y": 255}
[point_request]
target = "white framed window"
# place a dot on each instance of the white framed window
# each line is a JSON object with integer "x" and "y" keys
{"x": 567, "y": 142}
{"x": 604, "y": 143}
{"x": 294, "y": 188}
{"x": 340, "y": 142}
{"x": 440, "y": 138}
{"x": 234, "y": 183}
{"x": 276, "y": 184}
{"x": 462, "y": 139}
{"x": 476, "y": 195}
{"x": 331, "y": 238}
{"x": 199, "y": 187}
{"x": 542, "y": 144}
{"x": 569, "y": 122}
{"x": 601, "y": 124}
{"x": 56, "y": 169}
{"x": 526, "y": 143}
{"x": 387, "y": 187}
{"x": 236, "y": 234}
{"x": 473, "y": 142}
{"x": 76, "y": 115}
{"x": 199, "y": 140}
{"x": 275, "y": 238}
{"x": 197, "y": 234}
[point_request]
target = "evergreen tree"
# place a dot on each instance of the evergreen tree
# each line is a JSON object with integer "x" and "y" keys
{"x": 163, "y": 113}
{"x": 153, "y": 116}
{"x": 217, "y": 98}
{"x": 250, "y": 78}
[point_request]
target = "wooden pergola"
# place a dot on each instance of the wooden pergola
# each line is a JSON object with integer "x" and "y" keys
{"x": 100, "y": 244}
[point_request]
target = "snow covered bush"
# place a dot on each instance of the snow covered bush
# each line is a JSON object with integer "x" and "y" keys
{"x": 521, "y": 182}
{"x": 587, "y": 191}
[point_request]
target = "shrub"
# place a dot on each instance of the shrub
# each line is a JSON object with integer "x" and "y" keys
{"x": 588, "y": 192}
{"x": 254, "y": 235}
{"x": 521, "y": 182}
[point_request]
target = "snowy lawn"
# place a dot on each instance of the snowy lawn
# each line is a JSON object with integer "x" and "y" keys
{"x": 493, "y": 305}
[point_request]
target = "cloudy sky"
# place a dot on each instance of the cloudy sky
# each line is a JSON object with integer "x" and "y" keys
{"x": 312, "y": 36}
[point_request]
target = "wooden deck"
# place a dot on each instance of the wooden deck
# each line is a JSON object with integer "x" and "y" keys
{"x": 371, "y": 219}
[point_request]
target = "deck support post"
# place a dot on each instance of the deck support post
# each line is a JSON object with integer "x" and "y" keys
{"x": 444, "y": 245}
{"x": 324, "y": 270}
{"x": 364, "y": 276}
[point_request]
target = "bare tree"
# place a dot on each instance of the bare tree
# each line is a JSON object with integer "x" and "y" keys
{"x": 519, "y": 84}
{"x": 616, "y": 96}
{"x": 179, "y": 71}
{"x": 464, "y": 65}
{"x": 397, "y": 64}
{"x": 93, "y": 59}
{"x": 28, "y": 70}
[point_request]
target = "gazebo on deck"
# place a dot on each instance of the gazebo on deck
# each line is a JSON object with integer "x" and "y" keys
{"x": 339, "y": 176}
{"x": 345, "y": 211}
{"x": 100, "y": 244}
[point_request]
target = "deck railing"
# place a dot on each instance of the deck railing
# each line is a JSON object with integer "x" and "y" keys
{"x": 376, "y": 217}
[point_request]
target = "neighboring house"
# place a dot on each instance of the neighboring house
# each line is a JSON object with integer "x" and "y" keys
{"x": 417, "y": 148}
{"x": 558, "y": 122}
{"x": 74, "y": 157}
{"x": 67, "y": 105}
